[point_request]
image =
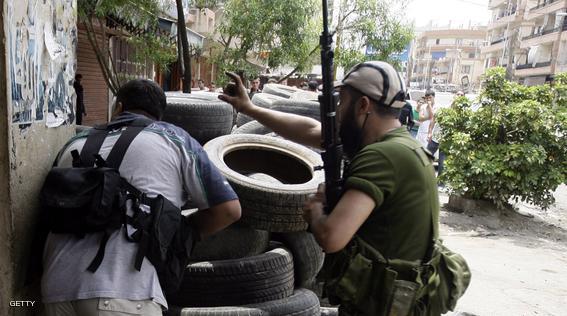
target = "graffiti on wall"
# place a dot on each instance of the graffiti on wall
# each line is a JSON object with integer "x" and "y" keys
{"x": 41, "y": 39}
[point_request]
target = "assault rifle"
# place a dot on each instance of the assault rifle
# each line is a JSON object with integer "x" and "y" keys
{"x": 332, "y": 149}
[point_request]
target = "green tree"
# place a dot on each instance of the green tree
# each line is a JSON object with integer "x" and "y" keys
{"x": 377, "y": 24}
{"x": 514, "y": 146}
{"x": 277, "y": 32}
{"x": 137, "y": 21}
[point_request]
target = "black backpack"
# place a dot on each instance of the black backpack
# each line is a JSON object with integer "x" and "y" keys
{"x": 92, "y": 197}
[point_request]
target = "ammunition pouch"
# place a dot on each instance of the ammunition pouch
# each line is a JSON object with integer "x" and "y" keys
{"x": 365, "y": 283}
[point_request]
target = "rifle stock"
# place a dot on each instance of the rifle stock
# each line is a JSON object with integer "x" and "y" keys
{"x": 332, "y": 148}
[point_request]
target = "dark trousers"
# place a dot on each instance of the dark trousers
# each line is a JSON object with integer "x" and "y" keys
{"x": 79, "y": 118}
{"x": 433, "y": 147}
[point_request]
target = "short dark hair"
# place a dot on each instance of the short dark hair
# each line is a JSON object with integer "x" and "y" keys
{"x": 78, "y": 76}
{"x": 430, "y": 93}
{"x": 142, "y": 94}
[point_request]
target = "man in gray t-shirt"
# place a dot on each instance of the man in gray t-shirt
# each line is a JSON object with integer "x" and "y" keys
{"x": 162, "y": 159}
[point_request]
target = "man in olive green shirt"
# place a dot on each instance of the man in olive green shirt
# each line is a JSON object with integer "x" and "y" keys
{"x": 390, "y": 191}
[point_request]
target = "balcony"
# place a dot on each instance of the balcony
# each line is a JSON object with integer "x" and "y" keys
{"x": 503, "y": 20}
{"x": 494, "y": 46}
{"x": 530, "y": 70}
{"x": 498, "y": 41}
{"x": 504, "y": 15}
{"x": 537, "y": 65}
{"x": 548, "y": 7}
{"x": 557, "y": 29}
{"x": 544, "y": 37}
{"x": 544, "y": 4}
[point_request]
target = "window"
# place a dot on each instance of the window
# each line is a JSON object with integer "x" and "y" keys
{"x": 437, "y": 41}
{"x": 125, "y": 64}
{"x": 472, "y": 55}
{"x": 466, "y": 69}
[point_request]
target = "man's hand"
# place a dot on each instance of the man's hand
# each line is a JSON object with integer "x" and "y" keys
{"x": 313, "y": 207}
{"x": 235, "y": 94}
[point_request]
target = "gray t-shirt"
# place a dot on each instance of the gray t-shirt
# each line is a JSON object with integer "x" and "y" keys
{"x": 162, "y": 159}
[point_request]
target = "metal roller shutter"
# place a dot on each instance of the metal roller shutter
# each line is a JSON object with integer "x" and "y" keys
{"x": 96, "y": 93}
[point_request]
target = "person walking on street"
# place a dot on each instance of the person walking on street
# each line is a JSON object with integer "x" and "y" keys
{"x": 390, "y": 197}
{"x": 163, "y": 160}
{"x": 80, "y": 108}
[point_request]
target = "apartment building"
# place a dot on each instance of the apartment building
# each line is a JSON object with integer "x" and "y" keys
{"x": 529, "y": 34}
{"x": 447, "y": 59}
{"x": 503, "y": 31}
{"x": 544, "y": 43}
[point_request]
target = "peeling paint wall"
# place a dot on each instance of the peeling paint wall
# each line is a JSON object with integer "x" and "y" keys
{"x": 38, "y": 64}
{"x": 41, "y": 40}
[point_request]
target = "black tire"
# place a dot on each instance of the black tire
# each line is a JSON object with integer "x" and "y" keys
{"x": 304, "y": 108}
{"x": 237, "y": 282}
{"x": 202, "y": 117}
{"x": 252, "y": 127}
{"x": 308, "y": 256}
{"x": 267, "y": 205}
{"x": 236, "y": 241}
{"x": 279, "y": 90}
{"x": 301, "y": 303}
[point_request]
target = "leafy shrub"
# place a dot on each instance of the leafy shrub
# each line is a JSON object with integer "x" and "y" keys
{"x": 512, "y": 146}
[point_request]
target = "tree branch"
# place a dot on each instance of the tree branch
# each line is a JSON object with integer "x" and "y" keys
{"x": 299, "y": 65}
{"x": 91, "y": 34}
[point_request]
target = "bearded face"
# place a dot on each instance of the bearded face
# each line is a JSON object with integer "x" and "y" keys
{"x": 350, "y": 133}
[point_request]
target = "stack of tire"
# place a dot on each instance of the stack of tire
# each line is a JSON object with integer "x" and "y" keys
{"x": 263, "y": 264}
{"x": 201, "y": 114}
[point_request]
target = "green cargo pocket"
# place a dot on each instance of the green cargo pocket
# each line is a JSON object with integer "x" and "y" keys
{"x": 355, "y": 284}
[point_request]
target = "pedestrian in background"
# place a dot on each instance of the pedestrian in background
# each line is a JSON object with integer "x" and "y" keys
{"x": 312, "y": 86}
{"x": 80, "y": 107}
{"x": 254, "y": 87}
{"x": 425, "y": 109}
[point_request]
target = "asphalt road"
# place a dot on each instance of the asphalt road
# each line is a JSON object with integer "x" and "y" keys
{"x": 516, "y": 269}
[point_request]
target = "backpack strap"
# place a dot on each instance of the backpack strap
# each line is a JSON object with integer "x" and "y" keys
{"x": 92, "y": 146}
{"x": 115, "y": 157}
{"x": 119, "y": 149}
{"x": 98, "y": 134}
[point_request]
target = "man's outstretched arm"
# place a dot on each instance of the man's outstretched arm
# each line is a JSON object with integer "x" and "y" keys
{"x": 300, "y": 129}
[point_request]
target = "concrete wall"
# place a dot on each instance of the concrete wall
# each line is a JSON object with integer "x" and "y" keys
{"x": 37, "y": 61}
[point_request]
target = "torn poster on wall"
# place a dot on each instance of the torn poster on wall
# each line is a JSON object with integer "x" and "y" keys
{"x": 41, "y": 36}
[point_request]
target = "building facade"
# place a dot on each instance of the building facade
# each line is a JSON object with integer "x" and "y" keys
{"x": 529, "y": 38}
{"x": 447, "y": 59}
